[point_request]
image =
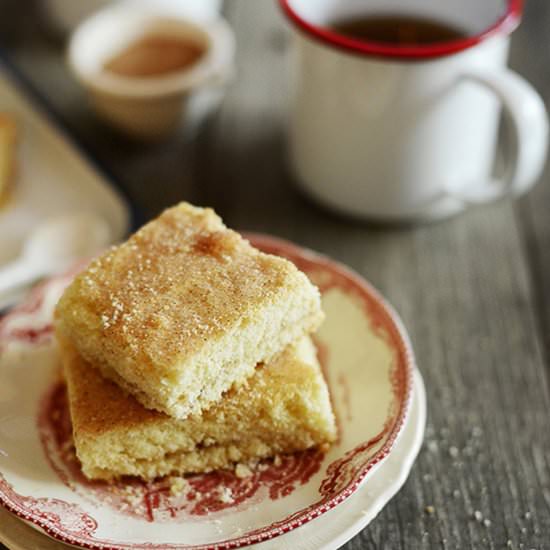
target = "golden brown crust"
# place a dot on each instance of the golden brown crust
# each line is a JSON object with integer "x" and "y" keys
{"x": 174, "y": 284}
{"x": 97, "y": 404}
{"x": 148, "y": 308}
{"x": 289, "y": 399}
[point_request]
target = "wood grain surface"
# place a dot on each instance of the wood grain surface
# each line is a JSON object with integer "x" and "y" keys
{"x": 473, "y": 291}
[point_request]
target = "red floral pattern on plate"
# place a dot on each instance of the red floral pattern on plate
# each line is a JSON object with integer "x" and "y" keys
{"x": 170, "y": 498}
{"x": 64, "y": 516}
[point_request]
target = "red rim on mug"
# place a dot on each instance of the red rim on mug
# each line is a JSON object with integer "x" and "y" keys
{"x": 504, "y": 24}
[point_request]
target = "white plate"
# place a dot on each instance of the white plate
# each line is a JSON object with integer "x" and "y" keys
{"x": 53, "y": 177}
{"x": 369, "y": 366}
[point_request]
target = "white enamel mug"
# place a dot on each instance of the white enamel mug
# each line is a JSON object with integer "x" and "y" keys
{"x": 399, "y": 133}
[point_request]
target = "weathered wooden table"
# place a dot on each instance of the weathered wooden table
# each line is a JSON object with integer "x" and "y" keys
{"x": 473, "y": 291}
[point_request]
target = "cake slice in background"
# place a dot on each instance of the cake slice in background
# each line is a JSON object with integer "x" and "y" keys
{"x": 8, "y": 144}
{"x": 284, "y": 407}
{"x": 185, "y": 309}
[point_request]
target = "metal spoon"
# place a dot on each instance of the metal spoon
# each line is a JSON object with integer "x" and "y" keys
{"x": 53, "y": 246}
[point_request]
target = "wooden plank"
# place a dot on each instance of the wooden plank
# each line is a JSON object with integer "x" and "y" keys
{"x": 533, "y": 62}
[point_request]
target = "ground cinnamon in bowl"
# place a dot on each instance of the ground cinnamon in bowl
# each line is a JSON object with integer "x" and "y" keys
{"x": 155, "y": 55}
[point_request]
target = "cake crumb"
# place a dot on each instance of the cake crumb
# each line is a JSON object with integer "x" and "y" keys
{"x": 478, "y": 516}
{"x": 430, "y": 510}
{"x": 433, "y": 446}
{"x": 226, "y": 495}
{"x": 242, "y": 471}
{"x": 134, "y": 499}
{"x": 178, "y": 485}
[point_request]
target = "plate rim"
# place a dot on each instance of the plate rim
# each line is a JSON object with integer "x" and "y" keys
{"x": 419, "y": 391}
{"x": 309, "y": 513}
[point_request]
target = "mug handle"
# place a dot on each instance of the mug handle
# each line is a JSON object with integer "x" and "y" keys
{"x": 524, "y": 109}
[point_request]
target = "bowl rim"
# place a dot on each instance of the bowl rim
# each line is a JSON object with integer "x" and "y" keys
{"x": 214, "y": 65}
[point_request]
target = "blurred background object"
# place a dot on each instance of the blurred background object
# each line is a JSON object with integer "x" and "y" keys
{"x": 65, "y": 15}
{"x": 142, "y": 68}
{"x": 396, "y": 107}
{"x": 8, "y": 160}
{"x": 53, "y": 246}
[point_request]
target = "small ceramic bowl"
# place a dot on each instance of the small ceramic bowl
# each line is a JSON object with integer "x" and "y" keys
{"x": 147, "y": 107}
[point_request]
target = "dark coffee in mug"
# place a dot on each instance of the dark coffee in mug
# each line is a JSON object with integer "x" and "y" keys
{"x": 397, "y": 29}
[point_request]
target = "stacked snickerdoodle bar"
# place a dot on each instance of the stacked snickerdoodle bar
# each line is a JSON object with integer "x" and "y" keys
{"x": 186, "y": 349}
